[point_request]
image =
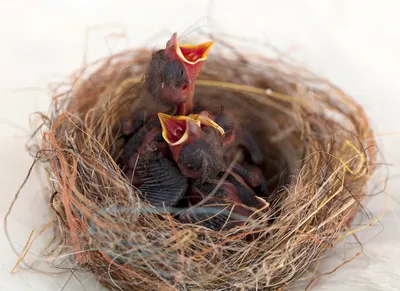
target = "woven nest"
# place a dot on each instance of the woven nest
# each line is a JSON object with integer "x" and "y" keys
{"x": 314, "y": 138}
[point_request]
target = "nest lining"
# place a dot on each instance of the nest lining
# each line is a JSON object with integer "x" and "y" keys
{"x": 317, "y": 144}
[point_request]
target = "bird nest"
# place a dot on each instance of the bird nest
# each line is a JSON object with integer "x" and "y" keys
{"x": 316, "y": 142}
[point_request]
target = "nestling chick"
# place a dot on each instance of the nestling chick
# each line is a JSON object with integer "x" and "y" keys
{"x": 228, "y": 207}
{"x": 172, "y": 72}
{"x": 253, "y": 176}
{"x": 169, "y": 83}
{"x": 238, "y": 139}
{"x": 224, "y": 119}
{"x": 195, "y": 143}
{"x": 236, "y": 135}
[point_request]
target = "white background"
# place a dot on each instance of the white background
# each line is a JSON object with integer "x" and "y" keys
{"x": 356, "y": 44}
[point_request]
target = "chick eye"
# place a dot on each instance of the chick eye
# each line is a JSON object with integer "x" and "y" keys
{"x": 181, "y": 72}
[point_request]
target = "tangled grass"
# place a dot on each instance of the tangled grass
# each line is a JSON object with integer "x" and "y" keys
{"x": 319, "y": 151}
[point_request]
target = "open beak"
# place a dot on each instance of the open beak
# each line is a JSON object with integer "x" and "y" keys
{"x": 190, "y": 54}
{"x": 205, "y": 121}
{"x": 175, "y": 129}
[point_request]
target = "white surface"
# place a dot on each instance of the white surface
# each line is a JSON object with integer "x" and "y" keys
{"x": 356, "y": 44}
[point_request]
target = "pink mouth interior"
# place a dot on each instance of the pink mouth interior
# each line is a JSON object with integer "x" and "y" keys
{"x": 193, "y": 54}
{"x": 175, "y": 129}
